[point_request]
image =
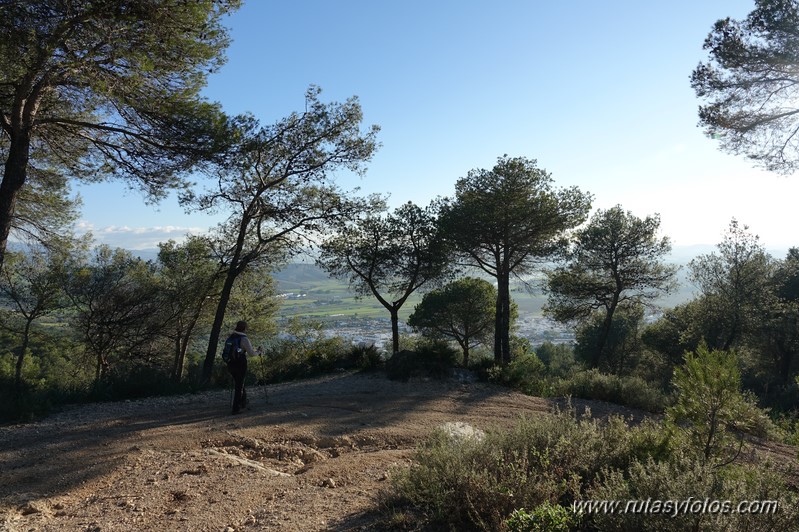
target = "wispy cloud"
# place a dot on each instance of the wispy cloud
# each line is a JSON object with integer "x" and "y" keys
{"x": 136, "y": 238}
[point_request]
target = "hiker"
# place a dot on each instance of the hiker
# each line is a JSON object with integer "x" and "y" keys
{"x": 237, "y": 365}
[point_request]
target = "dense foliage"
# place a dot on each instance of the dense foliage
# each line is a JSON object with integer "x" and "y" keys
{"x": 505, "y": 220}
{"x": 462, "y": 310}
{"x": 540, "y": 474}
{"x": 111, "y": 325}
{"x": 749, "y": 85}
{"x": 616, "y": 262}
{"x": 91, "y": 89}
{"x": 388, "y": 256}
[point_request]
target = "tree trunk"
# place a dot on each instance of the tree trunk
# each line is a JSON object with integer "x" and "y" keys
{"x": 177, "y": 367}
{"x": 394, "y": 329}
{"x": 21, "y": 356}
{"x": 506, "y": 354}
{"x": 498, "y": 330}
{"x": 712, "y": 426}
{"x": 785, "y": 360}
{"x": 502, "y": 333}
{"x": 14, "y": 177}
{"x": 463, "y": 341}
{"x": 183, "y": 343}
{"x": 98, "y": 370}
{"x": 216, "y": 328}
{"x": 604, "y": 333}
{"x": 233, "y": 271}
{"x": 731, "y": 337}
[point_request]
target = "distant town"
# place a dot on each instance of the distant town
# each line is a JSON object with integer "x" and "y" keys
{"x": 377, "y": 331}
{"x": 307, "y": 291}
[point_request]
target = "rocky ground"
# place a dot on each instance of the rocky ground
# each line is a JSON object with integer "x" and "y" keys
{"x": 313, "y": 455}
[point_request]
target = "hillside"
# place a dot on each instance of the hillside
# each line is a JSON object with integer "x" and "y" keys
{"x": 313, "y": 458}
{"x": 313, "y": 455}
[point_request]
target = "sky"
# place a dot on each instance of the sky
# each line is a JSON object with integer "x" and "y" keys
{"x": 597, "y": 92}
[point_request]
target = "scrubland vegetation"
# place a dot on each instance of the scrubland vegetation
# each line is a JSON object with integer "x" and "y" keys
{"x": 716, "y": 373}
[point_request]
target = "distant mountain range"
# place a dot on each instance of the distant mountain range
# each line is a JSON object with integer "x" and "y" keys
{"x": 304, "y": 275}
{"x": 679, "y": 254}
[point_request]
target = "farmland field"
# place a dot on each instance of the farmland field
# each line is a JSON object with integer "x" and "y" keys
{"x": 306, "y": 290}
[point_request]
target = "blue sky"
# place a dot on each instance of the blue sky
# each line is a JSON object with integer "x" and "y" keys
{"x": 597, "y": 92}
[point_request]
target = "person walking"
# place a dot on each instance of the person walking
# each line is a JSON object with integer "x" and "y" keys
{"x": 237, "y": 365}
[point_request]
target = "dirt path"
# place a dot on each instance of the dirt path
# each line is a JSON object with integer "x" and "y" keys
{"x": 313, "y": 458}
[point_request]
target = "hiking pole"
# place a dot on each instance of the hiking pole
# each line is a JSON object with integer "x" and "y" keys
{"x": 232, "y": 393}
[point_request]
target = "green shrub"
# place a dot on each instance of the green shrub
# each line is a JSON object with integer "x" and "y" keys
{"x": 550, "y": 459}
{"x": 684, "y": 480}
{"x": 548, "y": 466}
{"x": 780, "y": 397}
{"x": 431, "y": 360}
{"x": 710, "y": 408}
{"x": 544, "y": 518}
{"x": 786, "y": 427}
{"x": 654, "y": 368}
{"x": 524, "y": 372}
{"x": 365, "y": 357}
{"x": 134, "y": 381}
{"x": 407, "y": 342}
{"x": 624, "y": 390}
{"x": 559, "y": 359}
{"x": 298, "y": 358}
{"x": 675, "y": 479}
{"x": 481, "y": 361}
{"x": 52, "y": 375}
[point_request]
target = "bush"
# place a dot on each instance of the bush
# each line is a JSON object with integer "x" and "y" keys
{"x": 710, "y": 406}
{"x": 624, "y": 390}
{"x": 701, "y": 463}
{"x": 529, "y": 374}
{"x": 433, "y": 360}
{"x": 621, "y": 347}
{"x": 559, "y": 359}
{"x": 365, "y": 358}
{"x": 52, "y": 375}
{"x": 675, "y": 479}
{"x": 481, "y": 365}
{"x": 407, "y": 342}
{"x": 478, "y": 484}
{"x": 548, "y": 465}
{"x": 33, "y": 401}
{"x": 544, "y": 518}
{"x": 684, "y": 479}
{"x": 781, "y": 397}
{"x": 786, "y": 427}
{"x": 524, "y": 373}
{"x": 298, "y": 358}
{"x": 134, "y": 381}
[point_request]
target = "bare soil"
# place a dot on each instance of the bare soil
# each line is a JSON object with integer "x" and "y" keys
{"x": 313, "y": 455}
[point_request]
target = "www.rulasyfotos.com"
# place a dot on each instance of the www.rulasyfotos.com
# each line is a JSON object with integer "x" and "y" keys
{"x": 674, "y": 507}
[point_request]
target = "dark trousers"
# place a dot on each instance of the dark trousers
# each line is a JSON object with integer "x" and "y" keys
{"x": 238, "y": 370}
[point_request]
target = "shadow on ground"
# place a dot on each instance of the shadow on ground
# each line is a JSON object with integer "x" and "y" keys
{"x": 62, "y": 452}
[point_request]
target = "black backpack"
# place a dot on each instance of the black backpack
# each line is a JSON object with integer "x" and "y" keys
{"x": 232, "y": 350}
